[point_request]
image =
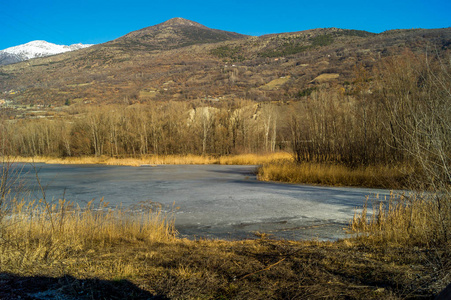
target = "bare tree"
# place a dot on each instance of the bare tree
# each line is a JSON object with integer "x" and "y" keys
{"x": 416, "y": 91}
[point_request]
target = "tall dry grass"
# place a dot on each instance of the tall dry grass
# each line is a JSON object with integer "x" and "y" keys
{"x": 405, "y": 220}
{"x": 333, "y": 174}
{"x": 255, "y": 159}
{"x": 240, "y": 159}
{"x": 38, "y": 232}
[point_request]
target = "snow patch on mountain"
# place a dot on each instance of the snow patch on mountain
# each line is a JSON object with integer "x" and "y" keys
{"x": 35, "y": 49}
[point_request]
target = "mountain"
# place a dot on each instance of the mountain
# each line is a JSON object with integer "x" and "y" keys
{"x": 35, "y": 49}
{"x": 184, "y": 60}
{"x": 172, "y": 34}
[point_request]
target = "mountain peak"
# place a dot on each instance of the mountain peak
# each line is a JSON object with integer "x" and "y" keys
{"x": 172, "y": 34}
{"x": 181, "y": 22}
{"x": 35, "y": 49}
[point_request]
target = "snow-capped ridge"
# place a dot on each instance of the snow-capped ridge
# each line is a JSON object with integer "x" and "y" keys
{"x": 36, "y": 49}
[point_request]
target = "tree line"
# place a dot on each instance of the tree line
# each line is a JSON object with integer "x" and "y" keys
{"x": 397, "y": 110}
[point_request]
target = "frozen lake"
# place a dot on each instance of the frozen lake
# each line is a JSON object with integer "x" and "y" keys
{"x": 215, "y": 201}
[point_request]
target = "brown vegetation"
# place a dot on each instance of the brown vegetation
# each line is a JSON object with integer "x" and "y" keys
{"x": 162, "y": 63}
{"x": 405, "y": 220}
{"x": 381, "y": 176}
{"x": 240, "y": 159}
{"x": 385, "y": 123}
{"x": 93, "y": 250}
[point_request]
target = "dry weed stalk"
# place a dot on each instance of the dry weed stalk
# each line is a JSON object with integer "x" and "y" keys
{"x": 39, "y": 231}
{"x": 413, "y": 219}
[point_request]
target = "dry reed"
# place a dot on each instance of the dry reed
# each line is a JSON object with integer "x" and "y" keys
{"x": 240, "y": 159}
{"x": 337, "y": 175}
{"x": 37, "y": 231}
{"x": 254, "y": 159}
{"x": 414, "y": 219}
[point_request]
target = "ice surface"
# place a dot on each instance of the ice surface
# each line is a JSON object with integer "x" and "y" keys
{"x": 214, "y": 201}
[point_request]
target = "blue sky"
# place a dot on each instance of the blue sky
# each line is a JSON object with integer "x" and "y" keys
{"x": 98, "y": 21}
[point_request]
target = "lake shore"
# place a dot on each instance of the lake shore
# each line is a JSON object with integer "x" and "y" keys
{"x": 239, "y": 159}
{"x": 278, "y": 167}
{"x": 90, "y": 254}
{"x": 93, "y": 252}
{"x": 214, "y": 201}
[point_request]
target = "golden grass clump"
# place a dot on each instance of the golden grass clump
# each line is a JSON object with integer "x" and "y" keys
{"x": 332, "y": 174}
{"x": 37, "y": 231}
{"x": 188, "y": 159}
{"x": 254, "y": 159}
{"x": 414, "y": 219}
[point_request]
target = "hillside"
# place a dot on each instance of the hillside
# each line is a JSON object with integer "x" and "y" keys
{"x": 183, "y": 60}
{"x": 172, "y": 34}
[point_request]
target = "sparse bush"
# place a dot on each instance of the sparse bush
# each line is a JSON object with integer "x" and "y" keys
{"x": 306, "y": 92}
{"x": 322, "y": 40}
{"x": 229, "y": 52}
{"x": 285, "y": 50}
{"x": 353, "y": 32}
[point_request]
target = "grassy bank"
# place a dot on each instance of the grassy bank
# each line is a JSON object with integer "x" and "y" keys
{"x": 95, "y": 253}
{"x": 239, "y": 159}
{"x": 274, "y": 167}
{"x": 392, "y": 177}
